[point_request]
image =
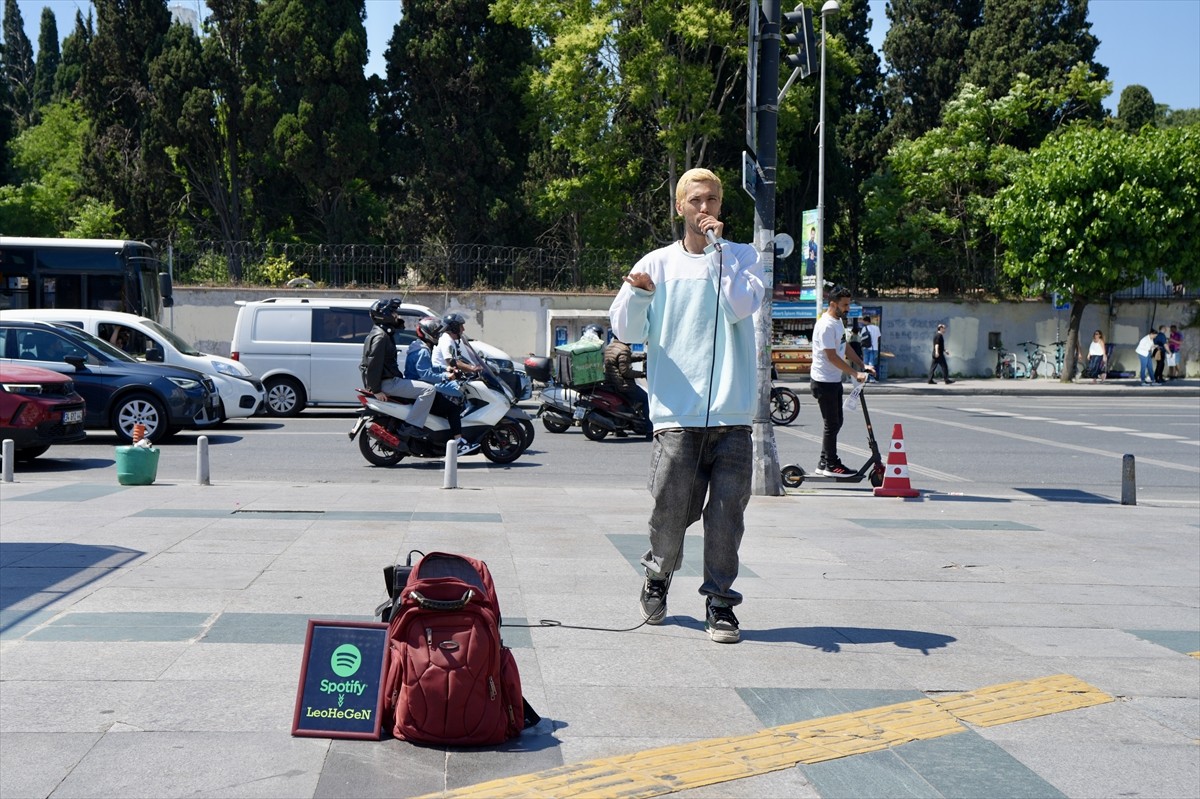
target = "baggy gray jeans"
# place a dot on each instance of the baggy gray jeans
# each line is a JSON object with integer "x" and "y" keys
{"x": 419, "y": 391}
{"x": 688, "y": 464}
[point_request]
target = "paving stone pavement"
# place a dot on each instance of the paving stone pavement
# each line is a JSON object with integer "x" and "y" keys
{"x": 151, "y": 637}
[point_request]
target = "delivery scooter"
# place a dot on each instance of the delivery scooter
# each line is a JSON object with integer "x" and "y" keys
{"x": 873, "y": 469}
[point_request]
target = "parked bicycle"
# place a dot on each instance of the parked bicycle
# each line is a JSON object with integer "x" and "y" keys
{"x": 1035, "y": 357}
{"x": 1008, "y": 367}
{"x": 1060, "y": 358}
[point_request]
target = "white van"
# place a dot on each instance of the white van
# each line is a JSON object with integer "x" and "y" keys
{"x": 307, "y": 350}
{"x": 241, "y": 393}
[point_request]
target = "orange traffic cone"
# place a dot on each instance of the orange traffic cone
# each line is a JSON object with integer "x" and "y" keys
{"x": 895, "y": 475}
{"x": 139, "y": 432}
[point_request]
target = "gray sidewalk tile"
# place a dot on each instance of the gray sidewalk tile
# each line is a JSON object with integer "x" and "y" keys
{"x": 1067, "y": 642}
{"x": 78, "y": 492}
{"x": 32, "y": 764}
{"x": 68, "y": 706}
{"x": 232, "y": 662}
{"x": 966, "y": 766}
{"x": 874, "y": 774}
{"x": 264, "y": 628}
{"x": 238, "y": 765}
{"x": 70, "y": 661}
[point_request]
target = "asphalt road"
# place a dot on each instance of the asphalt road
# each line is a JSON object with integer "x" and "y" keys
{"x": 1010, "y": 446}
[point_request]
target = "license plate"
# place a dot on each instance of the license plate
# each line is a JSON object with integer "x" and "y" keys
{"x": 72, "y": 417}
{"x": 579, "y": 413}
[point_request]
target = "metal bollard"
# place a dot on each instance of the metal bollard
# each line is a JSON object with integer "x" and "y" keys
{"x": 202, "y": 474}
{"x": 9, "y": 450}
{"x": 1128, "y": 481}
{"x": 450, "y": 476}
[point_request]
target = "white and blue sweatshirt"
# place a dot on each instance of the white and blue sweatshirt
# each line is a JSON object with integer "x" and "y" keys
{"x": 695, "y": 381}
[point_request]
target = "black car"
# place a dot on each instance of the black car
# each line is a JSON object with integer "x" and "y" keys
{"x": 119, "y": 390}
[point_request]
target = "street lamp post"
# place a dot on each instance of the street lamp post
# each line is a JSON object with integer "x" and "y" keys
{"x": 830, "y": 7}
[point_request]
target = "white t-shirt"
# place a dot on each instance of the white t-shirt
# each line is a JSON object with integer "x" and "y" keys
{"x": 873, "y": 329}
{"x": 828, "y": 333}
{"x": 1146, "y": 345}
{"x": 1096, "y": 348}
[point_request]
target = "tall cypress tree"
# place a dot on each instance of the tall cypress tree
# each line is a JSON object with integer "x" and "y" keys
{"x": 48, "y": 58}
{"x": 452, "y": 119}
{"x": 75, "y": 49}
{"x": 1136, "y": 108}
{"x": 125, "y": 162}
{"x": 6, "y": 125}
{"x": 321, "y": 136}
{"x": 925, "y": 48}
{"x": 18, "y": 66}
{"x": 1042, "y": 38}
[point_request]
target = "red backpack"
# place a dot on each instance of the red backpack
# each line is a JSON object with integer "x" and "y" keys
{"x": 450, "y": 679}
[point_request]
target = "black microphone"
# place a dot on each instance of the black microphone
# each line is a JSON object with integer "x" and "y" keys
{"x": 712, "y": 239}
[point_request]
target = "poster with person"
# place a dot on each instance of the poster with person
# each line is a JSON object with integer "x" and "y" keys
{"x": 809, "y": 249}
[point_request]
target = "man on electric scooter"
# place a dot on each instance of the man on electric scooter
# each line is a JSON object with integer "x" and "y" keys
{"x": 829, "y": 364}
{"x": 418, "y": 365}
{"x": 380, "y": 367}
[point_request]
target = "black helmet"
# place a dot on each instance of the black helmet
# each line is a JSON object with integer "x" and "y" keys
{"x": 594, "y": 329}
{"x": 386, "y": 313}
{"x": 429, "y": 329}
{"x": 454, "y": 322}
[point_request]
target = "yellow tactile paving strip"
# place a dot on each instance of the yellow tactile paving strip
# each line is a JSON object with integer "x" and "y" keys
{"x": 1194, "y": 654}
{"x": 669, "y": 769}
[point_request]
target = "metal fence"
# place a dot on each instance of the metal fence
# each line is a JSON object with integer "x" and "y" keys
{"x": 531, "y": 269}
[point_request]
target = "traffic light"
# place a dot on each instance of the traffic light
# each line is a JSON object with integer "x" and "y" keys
{"x": 799, "y": 27}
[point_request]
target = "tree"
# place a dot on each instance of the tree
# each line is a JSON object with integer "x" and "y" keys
{"x": 1043, "y": 39}
{"x": 630, "y": 95}
{"x": 6, "y": 124}
{"x": 46, "y": 159}
{"x": 18, "y": 66}
{"x": 1136, "y": 108}
{"x": 925, "y": 48}
{"x": 125, "y": 158}
{"x": 321, "y": 135}
{"x": 48, "y": 59}
{"x": 75, "y": 50}
{"x": 454, "y": 124}
{"x": 1181, "y": 116}
{"x": 1093, "y": 211}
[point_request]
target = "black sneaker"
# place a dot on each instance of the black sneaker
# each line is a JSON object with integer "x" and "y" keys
{"x": 654, "y": 601}
{"x": 721, "y": 624}
{"x": 836, "y": 470}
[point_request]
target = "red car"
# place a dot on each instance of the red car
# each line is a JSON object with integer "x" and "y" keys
{"x": 38, "y": 408}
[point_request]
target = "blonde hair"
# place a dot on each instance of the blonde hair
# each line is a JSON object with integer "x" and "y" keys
{"x": 698, "y": 175}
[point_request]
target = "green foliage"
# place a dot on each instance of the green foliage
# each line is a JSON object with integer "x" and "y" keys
{"x": 274, "y": 270}
{"x": 1136, "y": 108}
{"x": 1094, "y": 211}
{"x": 209, "y": 269}
{"x": 48, "y": 58}
{"x": 1181, "y": 117}
{"x": 1043, "y": 39}
{"x": 74, "y": 57}
{"x": 18, "y": 66}
{"x": 925, "y": 47}
{"x": 95, "y": 219}
{"x": 460, "y": 172}
{"x": 46, "y": 163}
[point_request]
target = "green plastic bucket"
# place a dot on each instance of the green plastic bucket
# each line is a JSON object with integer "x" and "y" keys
{"x": 136, "y": 466}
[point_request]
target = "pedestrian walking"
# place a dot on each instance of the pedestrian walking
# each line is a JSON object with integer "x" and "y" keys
{"x": 939, "y": 356}
{"x": 831, "y": 361}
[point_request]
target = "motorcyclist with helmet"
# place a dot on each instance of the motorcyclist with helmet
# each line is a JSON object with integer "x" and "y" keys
{"x": 380, "y": 367}
{"x": 418, "y": 365}
{"x": 449, "y": 351}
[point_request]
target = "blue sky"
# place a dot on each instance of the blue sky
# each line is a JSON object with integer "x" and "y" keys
{"x": 1155, "y": 43}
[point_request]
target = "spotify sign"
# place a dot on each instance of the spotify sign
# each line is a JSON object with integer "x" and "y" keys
{"x": 341, "y": 680}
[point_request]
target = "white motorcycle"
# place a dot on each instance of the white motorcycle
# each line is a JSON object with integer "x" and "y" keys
{"x": 488, "y": 419}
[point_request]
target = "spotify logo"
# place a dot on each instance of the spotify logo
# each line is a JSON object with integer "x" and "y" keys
{"x": 345, "y": 660}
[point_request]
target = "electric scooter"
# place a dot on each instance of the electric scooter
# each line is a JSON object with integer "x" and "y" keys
{"x": 873, "y": 469}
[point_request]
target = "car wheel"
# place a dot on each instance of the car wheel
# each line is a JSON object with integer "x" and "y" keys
{"x": 592, "y": 430}
{"x": 376, "y": 452}
{"x": 504, "y": 443}
{"x": 145, "y": 409}
{"x": 555, "y": 423}
{"x": 285, "y": 396}
{"x": 29, "y": 453}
